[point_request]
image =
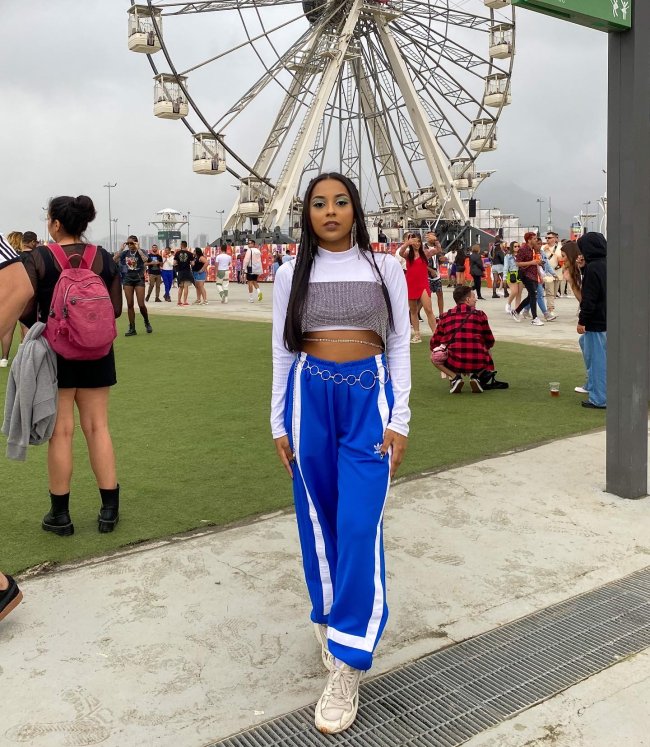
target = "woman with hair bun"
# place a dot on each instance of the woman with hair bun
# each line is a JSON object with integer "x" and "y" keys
{"x": 339, "y": 418}
{"x": 84, "y": 383}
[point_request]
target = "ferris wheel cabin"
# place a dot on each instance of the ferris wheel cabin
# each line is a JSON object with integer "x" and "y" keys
{"x": 484, "y": 135}
{"x": 142, "y": 32}
{"x": 169, "y": 101}
{"x": 497, "y": 4}
{"x": 497, "y": 90}
{"x": 209, "y": 154}
{"x": 502, "y": 41}
{"x": 254, "y": 196}
{"x": 462, "y": 172}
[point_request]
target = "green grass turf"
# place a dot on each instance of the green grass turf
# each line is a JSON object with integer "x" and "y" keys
{"x": 189, "y": 419}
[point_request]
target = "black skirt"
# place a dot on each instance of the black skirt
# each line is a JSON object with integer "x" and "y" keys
{"x": 87, "y": 374}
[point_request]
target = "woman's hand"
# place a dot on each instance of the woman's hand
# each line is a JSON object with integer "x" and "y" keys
{"x": 283, "y": 448}
{"x": 398, "y": 444}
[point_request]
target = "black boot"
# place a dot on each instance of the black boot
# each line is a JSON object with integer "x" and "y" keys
{"x": 109, "y": 513}
{"x": 131, "y": 331}
{"x": 58, "y": 519}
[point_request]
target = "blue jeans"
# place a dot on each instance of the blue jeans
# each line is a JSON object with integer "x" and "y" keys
{"x": 594, "y": 349}
{"x": 581, "y": 342}
{"x": 540, "y": 299}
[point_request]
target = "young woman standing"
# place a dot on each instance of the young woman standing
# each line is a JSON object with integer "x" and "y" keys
{"x": 84, "y": 383}
{"x": 339, "y": 417}
{"x": 417, "y": 281}
{"x": 168, "y": 272}
{"x": 200, "y": 274}
{"x": 511, "y": 276}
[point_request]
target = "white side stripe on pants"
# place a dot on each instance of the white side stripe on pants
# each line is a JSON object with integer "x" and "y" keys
{"x": 367, "y": 642}
{"x": 319, "y": 540}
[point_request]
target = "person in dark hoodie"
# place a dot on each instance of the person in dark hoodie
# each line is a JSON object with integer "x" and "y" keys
{"x": 592, "y": 318}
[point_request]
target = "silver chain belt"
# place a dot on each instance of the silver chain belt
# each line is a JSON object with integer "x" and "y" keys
{"x": 366, "y": 379}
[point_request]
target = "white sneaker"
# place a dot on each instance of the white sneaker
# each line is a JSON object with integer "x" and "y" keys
{"x": 508, "y": 308}
{"x": 338, "y": 705}
{"x": 4, "y": 362}
{"x": 537, "y": 322}
{"x": 320, "y": 631}
{"x": 515, "y": 316}
{"x": 581, "y": 390}
{"x": 550, "y": 317}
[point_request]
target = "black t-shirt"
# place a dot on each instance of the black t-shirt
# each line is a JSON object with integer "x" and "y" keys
{"x": 155, "y": 269}
{"x": 184, "y": 258}
{"x": 133, "y": 263}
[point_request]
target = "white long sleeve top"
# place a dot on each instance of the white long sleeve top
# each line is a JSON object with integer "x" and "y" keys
{"x": 352, "y": 269}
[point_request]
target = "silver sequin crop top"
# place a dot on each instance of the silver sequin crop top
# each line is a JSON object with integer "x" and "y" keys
{"x": 346, "y": 305}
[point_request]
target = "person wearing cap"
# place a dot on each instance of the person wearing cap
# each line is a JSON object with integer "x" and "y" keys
{"x": 15, "y": 292}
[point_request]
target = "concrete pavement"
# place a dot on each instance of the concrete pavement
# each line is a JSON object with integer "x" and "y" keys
{"x": 186, "y": 641}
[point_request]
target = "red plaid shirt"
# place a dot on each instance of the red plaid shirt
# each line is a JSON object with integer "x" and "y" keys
{"x": 468, "y": 349}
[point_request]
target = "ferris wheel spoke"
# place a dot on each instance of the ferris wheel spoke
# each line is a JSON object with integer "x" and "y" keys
{"x": 446, "y": 84}
{"x": 442, "y": 14}
{"x": 385, "y": 163}
{"x": 250, "y": 41}
{"x": 451, "y": 50}
{"x": 436, "y": 162}
{"x": 392, "y": 106}
{"x": 185, "y": 8}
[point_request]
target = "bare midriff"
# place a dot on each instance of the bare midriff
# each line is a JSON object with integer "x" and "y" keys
{"x": 341, "y": 346}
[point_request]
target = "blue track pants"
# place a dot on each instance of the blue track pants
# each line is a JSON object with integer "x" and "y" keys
{"x": 336, "y": 415}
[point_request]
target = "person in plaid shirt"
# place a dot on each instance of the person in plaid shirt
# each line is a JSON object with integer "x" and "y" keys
{"x": 466, "y": 333}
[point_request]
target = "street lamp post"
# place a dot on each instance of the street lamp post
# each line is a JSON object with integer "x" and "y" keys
{"x": 189, "y": 242}
{"x": 220, "y": 213}
{"x": 114, "y": 222}
{"x": 110, "y": 186}
{"x": 540, "y": 201}
{"x": 45, "y": 235}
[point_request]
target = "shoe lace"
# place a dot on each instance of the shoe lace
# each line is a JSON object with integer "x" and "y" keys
{"x": 340, "y": 686}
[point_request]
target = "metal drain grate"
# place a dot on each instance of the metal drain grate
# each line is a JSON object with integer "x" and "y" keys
{"x": 448, "y": 697}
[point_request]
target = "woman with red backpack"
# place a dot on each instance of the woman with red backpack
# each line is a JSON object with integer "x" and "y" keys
{"x": 84, "y": 379}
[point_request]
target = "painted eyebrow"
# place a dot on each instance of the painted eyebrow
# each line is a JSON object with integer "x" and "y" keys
{"x": 322, "y": 197}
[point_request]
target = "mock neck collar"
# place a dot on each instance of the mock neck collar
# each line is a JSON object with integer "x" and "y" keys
{"x": 329, "y": 256}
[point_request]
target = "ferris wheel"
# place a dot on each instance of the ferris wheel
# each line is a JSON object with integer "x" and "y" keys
{"x": 402, "y": 96}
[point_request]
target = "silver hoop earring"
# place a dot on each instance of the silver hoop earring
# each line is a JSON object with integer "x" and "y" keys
{"x": 353, "y": 235}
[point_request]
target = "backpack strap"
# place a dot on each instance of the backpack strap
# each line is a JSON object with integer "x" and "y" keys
{"x": 90, "y": 252}
{"x": 60, "y": 256}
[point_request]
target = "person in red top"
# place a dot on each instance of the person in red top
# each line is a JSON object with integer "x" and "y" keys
{"x": 466, "y": 333}
{"x": 529, "y": 276}
{"x": 417, "y": 282}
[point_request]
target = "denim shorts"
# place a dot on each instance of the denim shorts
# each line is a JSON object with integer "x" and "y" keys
{"x": 200, "y": 276}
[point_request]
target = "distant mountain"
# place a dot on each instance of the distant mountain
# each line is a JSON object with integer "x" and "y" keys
{"x": 515, "y": 200}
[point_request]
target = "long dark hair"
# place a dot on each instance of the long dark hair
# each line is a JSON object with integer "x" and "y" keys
{"x": 571, "y": 252}
{"x": 411, "y": 252}
{"x": 307, "y": 251}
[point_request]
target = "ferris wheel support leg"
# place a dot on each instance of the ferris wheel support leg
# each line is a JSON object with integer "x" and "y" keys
{"x": 378, "y": 130}
{"x": 288, "y": 182}
{"x": 434, "y": 157}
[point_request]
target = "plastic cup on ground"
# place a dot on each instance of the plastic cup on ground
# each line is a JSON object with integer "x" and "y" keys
{"x": 554, "y": 387}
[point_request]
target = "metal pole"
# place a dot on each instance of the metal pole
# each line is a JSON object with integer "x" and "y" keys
{"x": 189, "y": 243}
{"x": 110, "y": 186}
{"x": 628, "y": 307}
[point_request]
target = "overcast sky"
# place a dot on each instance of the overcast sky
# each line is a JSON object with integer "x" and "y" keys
{"x": 77, "y": 113}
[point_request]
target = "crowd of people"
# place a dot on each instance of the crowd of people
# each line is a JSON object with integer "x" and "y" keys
{"x": 344, "y": 318}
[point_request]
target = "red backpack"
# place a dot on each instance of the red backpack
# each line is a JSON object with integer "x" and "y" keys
{"x": 81, "y": 322}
